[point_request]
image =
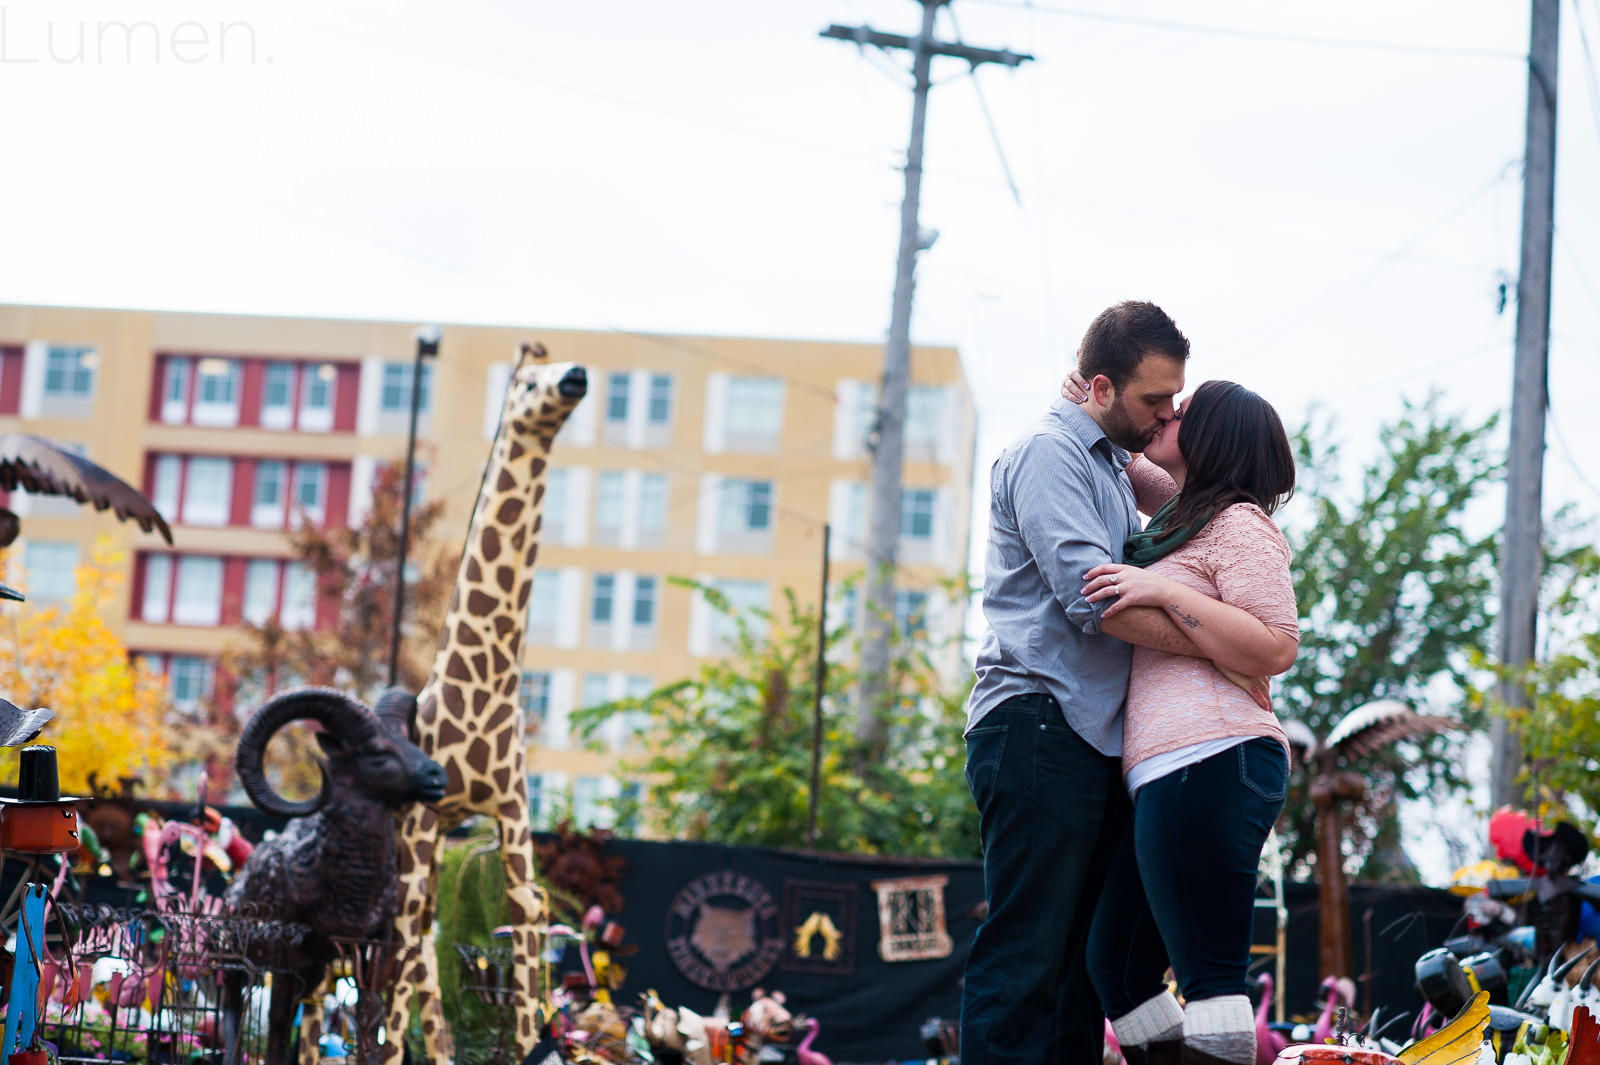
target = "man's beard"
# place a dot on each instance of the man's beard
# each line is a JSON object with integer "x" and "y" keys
{"x": 1121, "y": 430}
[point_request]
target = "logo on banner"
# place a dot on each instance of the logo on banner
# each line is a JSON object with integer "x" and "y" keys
{"x": 821, "y": 921}
{"x": 723, "y": 931}
{"x": 911, "y": 918}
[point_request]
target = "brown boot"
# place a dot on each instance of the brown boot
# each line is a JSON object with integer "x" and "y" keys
{"x": 1164, "y": 1052}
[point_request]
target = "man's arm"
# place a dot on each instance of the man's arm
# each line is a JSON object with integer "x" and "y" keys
{"x": 1149, "y": 627}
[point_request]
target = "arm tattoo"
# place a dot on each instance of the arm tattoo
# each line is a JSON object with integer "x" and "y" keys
{"x": 1188, "y": 619}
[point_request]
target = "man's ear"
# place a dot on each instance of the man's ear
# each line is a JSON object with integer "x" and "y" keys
{"x": 1102, "y": 391}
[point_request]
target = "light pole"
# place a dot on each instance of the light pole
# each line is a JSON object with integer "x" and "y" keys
{"x": 427, "y": 348}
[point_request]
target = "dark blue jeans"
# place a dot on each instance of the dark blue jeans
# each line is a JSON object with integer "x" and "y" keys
{"x": 1183, "y": 882}
{"x": 1052, "y": 810}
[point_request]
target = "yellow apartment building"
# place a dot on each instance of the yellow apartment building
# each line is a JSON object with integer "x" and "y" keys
{"x": 713, "y": 458}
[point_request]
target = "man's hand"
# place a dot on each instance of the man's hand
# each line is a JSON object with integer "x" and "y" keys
{"x": 1258, "y": 688}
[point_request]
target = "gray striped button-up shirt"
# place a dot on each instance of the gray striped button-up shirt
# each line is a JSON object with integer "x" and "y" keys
{"x": 1059, "y": 505}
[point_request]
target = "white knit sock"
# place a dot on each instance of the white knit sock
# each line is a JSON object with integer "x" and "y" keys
{"x": 1222, "y": 1027}
{"x": 1151, "y": 1021}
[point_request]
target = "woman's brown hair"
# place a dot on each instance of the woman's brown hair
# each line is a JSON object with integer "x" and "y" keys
{"x": 1236, "y": 451}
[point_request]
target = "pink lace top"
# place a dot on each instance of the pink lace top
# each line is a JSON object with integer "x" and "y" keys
{"x": 1242, "y": 559}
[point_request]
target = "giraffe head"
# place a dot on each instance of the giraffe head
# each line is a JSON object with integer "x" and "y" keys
{"x": 541, "y": 394}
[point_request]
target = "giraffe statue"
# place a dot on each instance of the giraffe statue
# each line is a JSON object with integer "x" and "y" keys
{"x": 467, "y": 717}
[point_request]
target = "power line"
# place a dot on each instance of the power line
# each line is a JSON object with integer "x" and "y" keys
{"x": 1257, "y": 35}
{"x": 1577, "y": 268}
{"x": 1589, "y": 77}
{"x": 1566, "y": 452}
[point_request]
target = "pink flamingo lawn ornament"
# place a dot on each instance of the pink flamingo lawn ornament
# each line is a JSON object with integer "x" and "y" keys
{"x": 1268, "y": 1040}
{"x": 804, "y": 1052}
{"x": 1340, "y": 991}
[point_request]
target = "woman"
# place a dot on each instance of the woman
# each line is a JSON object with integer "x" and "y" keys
{"x": 1206, "y": 763}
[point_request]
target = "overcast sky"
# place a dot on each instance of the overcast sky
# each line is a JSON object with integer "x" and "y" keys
{"x": 1326, "y": 197}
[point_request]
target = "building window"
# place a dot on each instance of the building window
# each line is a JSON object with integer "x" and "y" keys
{"x": 299, "y": 597}
{"x": 743, "y": 597}
{"x": 311, "y": 490}
{"x": 596, "y": 689}
{"x": 199, "y": 596}
{"x": 69, "y": 372}
{"x": 52, "y": 571}
{"x": 608, "y": 492}
{"x": 911, "y": 613}
{"x": 617, "y": 397}
{"x": 395, "y": 396}
{"x": 536, "y": 800}
{"x": 652, "y": 508}
{"x": 267, "y": 504}
{"x": 644, "y": 601}
{"x": 916, "y": 513}
{"x": 534, "y": 695}
{"x": 260, "y": 590}
{"x": 157, "y": 588}
{"x": 660, "y": 399}
{"x": 175, "y": 392}
{"x": 207, "y": 492}
{"x": 316, "y": 397}
{"x": 219, "y": 382}
{"x": 755, "y": 406}
{"x": 604, "y": 599}
{"x": 587, "y": 812}
{"x": 188, "y": 681}
{"x": 924, "y": 413}
{"x": 277, "y": 396}
{"x": 555, "y": 503}
{"x": 544, "y": 604}
{"x": 746, "y": 506}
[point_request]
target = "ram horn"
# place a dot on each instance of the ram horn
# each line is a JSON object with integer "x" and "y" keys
{"x": 341, "y": 715}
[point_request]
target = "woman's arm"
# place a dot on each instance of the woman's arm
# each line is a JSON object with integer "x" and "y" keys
{"x": 1230, "y": 637}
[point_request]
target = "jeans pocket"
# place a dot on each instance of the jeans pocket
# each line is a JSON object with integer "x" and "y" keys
{"x": 986, "y": 748}
{"x": 1264, "y": 768}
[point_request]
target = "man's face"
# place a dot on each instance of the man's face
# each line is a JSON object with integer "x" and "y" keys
{"x": 1140, "y": 408}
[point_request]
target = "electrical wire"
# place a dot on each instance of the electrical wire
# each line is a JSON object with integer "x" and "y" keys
{"x": 1591, "y": 81}
{"x": 1566, "y": 452}
{"x": 983, "y": 106}
{"x": 1577, "y": 268}
{"x": 1257, "y": 35}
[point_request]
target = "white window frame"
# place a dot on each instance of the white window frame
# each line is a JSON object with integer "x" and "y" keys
{"x": 76, "y": 368}
{"x": 911, "y": 509}
{"x": 313, "y": 474}
{"x": 175, "y": 378}
{"x": 208, "y": 511}
{"x": 270, "y": 515}
{"x": 262, "y": 578}
{"x": 299, "y": 610}
{"x": 52, "y": 568}
{"x": 278, "y": 415}
{"x": 156, "y": 605}
{"x": 318, "y": 417}
{"x": 221, "y": 410}
{"x": 203, "y": 677}
{"x": 198, "y": 599}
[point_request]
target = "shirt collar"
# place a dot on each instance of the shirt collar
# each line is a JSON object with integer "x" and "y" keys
{"x": 1075, "y": 420}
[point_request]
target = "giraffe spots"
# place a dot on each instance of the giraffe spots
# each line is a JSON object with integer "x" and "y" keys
{"x": 450, "y": 735}
{"x": 467, "y": 636}
{"x": 489, "y": 543}
{"x": 510, "y": 813}
{"x": 500, "y": 716}
{"x": 428, "y": 709}
{"x": 517, "y": 450}
{"x": 508, "y": 686}
{"x": 514, "y": 647}
{"x": 538, "y": 470}
{"x": 480, "y": 662}
{"x": 533, "y": 548}
{"x": 502, "y": 776}
{"x": 452, "y": 700}
{"x": 501, "y": 662}
{"x": 456, "y": 667}
{"x": 480, "y": 699}
{"x": 480, "y": 604}
{"x": 505, "y": 482}
{"x": 424, "y": 851}
{"x": 478, "y": 755}
{"x": 510, "y": 511}
{"x": 481, "y": 792}
{"x": 473, "y": 571}
{"x": 522, "y": 595}
{"x": 518, "y": 539}
{"x": 503, "y": 625}
{"x": 505, "y": 577}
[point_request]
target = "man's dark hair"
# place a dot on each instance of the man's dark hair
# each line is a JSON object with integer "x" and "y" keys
{"x": 1121, "y": 336}
{"x": 1235, "y": 451}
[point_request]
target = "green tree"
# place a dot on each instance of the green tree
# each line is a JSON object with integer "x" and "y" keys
{"x": 729, "y": 750}
{"x": 1394, "y": 597}
{"x": 1559, "y": 729}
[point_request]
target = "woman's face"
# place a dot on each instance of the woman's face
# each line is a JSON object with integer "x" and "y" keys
{"x": 1163, "y": 447}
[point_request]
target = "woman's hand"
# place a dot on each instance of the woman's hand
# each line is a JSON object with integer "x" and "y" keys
{"x": 1075, "y": 387}
{"x": 1127, "y": 586}
{"x": 1258, "y": 688}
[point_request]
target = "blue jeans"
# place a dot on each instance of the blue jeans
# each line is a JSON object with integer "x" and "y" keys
{"x": 1052, "y": 810}
{"x": 1182, "y": 885}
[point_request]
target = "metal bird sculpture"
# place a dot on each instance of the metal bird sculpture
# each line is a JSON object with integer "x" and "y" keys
{"x": 40, "y": 467}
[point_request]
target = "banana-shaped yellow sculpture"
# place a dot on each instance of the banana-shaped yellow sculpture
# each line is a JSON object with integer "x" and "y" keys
{"x": 1457, "y": 1043}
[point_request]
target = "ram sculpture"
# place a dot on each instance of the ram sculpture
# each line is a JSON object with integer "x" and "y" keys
{"x": 334, "y": 869}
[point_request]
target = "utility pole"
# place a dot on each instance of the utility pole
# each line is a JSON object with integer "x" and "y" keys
{"x": 1520, "y": 561}
{"x": 887, "y": 454}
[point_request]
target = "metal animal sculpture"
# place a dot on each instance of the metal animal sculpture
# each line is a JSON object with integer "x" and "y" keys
{"x": 468, "y": 717}
{"x": 40, "y": 467}
{"x": 335, "y": 868}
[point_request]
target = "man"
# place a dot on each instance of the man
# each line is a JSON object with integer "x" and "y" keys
{"x": 1044, "y": 725}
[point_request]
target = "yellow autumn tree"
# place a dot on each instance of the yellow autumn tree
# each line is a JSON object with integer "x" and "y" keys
{"x": 109, "y": 712}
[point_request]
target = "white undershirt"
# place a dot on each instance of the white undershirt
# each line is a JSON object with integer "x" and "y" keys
{"x": 1161, "y": 765}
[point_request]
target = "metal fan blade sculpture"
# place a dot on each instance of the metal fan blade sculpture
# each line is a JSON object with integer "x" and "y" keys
{"x": 40, "y": 467}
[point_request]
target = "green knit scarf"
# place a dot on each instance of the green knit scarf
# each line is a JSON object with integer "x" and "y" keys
{"x": 1157, "y": 539}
